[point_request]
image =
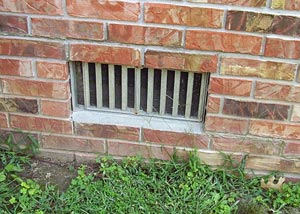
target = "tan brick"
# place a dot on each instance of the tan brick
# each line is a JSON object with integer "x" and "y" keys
{"x": 49, "y": 7}
{"x": 296, "y": 113}
{"x": 52, "y": 70}
{"x": 28, "y": 48}
{"x": 257, "y": 3}
{"x": 144, "y": 35}
{"x": 182, "y": 15}
{"x": 181, "y": 61}
{"x": 286, "y": 4}
{"x": 119, "y": 148}
{"x": 58, "y": 90}
{"x": 225, "y": 42}
{"x": 14, "y": 67}
{"x": 107, "y": 131}
{"x": 73, "y": 144}
{"x": 175, "y": 138}
{"x": 235, "y": 87}
{"x": 67, "y": 29}
{"x": 56, "y": 108}
{"x": 42, "y": 124}
{"x": 114, "y": 10}
{"x": 273, "y": 91}
{"x": 105, "y": 54}
{"x": 220, "y": 124}
{"x": 3, "y": 121}
{"x": 257, "y": 68}
{"x": 282, "y": 48}
{"x": 13, "y": 24}
{"x": 213, "y": 104}
{"x": 274, "y": 129}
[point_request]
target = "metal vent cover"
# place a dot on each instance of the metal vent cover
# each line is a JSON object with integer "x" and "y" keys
{"x": 142, "y": 91}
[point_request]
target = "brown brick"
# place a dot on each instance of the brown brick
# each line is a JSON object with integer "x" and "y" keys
{"x": 41, "y": 124}
{"x": 286, "y": 4}
{"x": 56, "y": 108}
{"x": 145, "y": 35}
{"x": 282, "y": 48}
{"x": 292, "y": 148}
{"x": 220, "y": 124}
{"x": 226, "y": 42}
{"x": 105, "y": 54}
{"x": 52, "y": 70}
{"x": 18, "y": 105}
{"x": 273, "y": 91}
{"x": 256, "y": 3}
{"x": 13, "y": 24}
{"x": 263, "y": 23}
{"x": 175, "y": 138}
{"x": 255, "y": 109}
{"x": 73, "y": 144}
{"x": 246, "y": 145}
{"x": 108, "y": 131}
{"x": 14, "y": 67}
{"x": 272, "y": 163}
{"x": 296, "y": 114}
{"x": 118, "y": 148}
{"x": 27, "y": 48}
{"x": 275, "y": 129}
{"x": 59, "y": 90}
{"x": 181, "y": 61}
{"x": 257, "y": 68}
{"x": 235, "y": 87}
{"x": 67, "y": 29}
{"x": 213, "y": 104}
{"x": 3, "y": 120}
{"x": 182, "y": 15}
{"x": 49, "y": 7}
{"x": 114, "y": 10}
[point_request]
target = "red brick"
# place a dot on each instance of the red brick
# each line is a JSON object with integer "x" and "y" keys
{"x": 258, "y": 68}
{"x": 181, "y": 61}
{"x": 272, "y": 163}
{"x": 67, "y": 29}
{"x": 105, "y": 54}
{"x": 59, "y": 90}
{"x": 118, "y": 148}
{"x": 3, "y": 121}
{"x": 144, "y": 35}
{"x": 56, "y": 108}
{"x": 114, "y": 10}
{"x": 220, "y": 124}
{"x": 257, "y": 3}
{"x": 108, "y": 131}
{"x": 13, "y": 24}
{"x": 27, "y": 48}
{"x": 41, "y": 124}
{"x": 226, "y": 42}
{"x": 292, "y": 148}
{"x": 175, "y": 138}
{"x": 282, "y": 48}
{"x": 52, "y": 70}
{"x": 15, "y": 67}
{"x": 273, "y": 91}
{"x": 49, "y": 7}
{"x": 182, "y": 15}
{"x": 275, "y": 129}
{"x": 246, "y": 145}
{"x": 235, "y": 87}
{"x": 213, "y": 104}
{"x": 72, "y": 144}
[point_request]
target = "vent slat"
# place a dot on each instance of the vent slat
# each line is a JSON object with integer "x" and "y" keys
{"x": 137, "y": 92}
{"x": 150, "y": 90}
{"x": 124, "y": 88}
{"x": 189, "y": 95}
{"x": 163, "y": 90}
{"x": 203, "y": 93}
{"x": 176, "y": 93}
{"x": 99, "y": 85}
{"x": 86, "y": 84}
{"x": 111, "y": 85}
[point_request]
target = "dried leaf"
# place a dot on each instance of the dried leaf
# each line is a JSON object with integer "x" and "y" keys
{"x": 271, "y": 185}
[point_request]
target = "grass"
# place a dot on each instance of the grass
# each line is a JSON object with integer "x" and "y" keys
{"x": 133, "y": 186}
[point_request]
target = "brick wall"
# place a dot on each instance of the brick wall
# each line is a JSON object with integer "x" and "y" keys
{"x": 251, "y": 49}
